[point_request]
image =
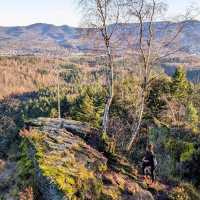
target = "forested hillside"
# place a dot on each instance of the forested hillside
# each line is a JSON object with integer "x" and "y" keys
{"x": 170, "y": 122}
{"x": 112, "y": 117}
{"x": 43, "y": 39}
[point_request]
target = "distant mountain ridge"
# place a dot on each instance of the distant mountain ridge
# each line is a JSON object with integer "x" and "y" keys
{"x": 41, "y": 38}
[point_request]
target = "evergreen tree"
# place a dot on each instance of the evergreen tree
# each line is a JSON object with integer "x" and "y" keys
{"x": 84, "y": 110}
{"x": 192, "y": 116}
{"x": 180, "y": 86}
{"x": 155, "y": 102}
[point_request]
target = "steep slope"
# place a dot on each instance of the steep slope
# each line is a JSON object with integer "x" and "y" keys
{"x": 68, "y": 168}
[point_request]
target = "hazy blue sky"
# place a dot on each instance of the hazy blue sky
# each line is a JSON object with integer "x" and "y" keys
{"x": 59, "y": 12}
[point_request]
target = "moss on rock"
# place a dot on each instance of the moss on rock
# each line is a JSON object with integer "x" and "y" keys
{"x": 74, "y": 170}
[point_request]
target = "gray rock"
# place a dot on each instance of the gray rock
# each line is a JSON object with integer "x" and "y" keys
{"x": 69, "y": 147}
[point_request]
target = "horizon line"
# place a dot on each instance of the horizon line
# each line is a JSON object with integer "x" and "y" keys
{"x": 73, "y": 26}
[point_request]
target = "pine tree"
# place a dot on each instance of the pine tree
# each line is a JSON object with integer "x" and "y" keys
{"x": 86, "y": 111}
{"x": 85, "y": 108}
{"x": 192, "y": 116}
{"x": 180, "y": 86}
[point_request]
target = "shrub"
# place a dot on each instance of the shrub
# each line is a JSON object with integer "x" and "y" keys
{"x": 192, "y": 116}
{"x": 155, "y": 102}
{"x": 184, "y": 191}
{"x": 190, "y": 168}
{"x": 180, "y": 150}
{"x": 25, "y": 169}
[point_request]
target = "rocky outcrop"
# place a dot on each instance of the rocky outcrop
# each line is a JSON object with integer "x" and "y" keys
{"x": 83, "y": 130}
{"x": 66, "y": 167}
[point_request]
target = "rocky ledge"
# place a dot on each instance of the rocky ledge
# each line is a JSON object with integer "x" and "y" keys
{"x": 67, "y": 167}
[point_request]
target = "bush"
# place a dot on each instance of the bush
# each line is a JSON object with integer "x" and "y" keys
{"x": 190, "y": 169}
{"x": 180, "y": 150}
{"x": 166, "y": 164}
{"x": 155, "y": 102}
{"x": 8, "y": 133}
{"x": 25, "y": 169}
{"x": 192, "y": 117}
{"x": 184, "y": 191}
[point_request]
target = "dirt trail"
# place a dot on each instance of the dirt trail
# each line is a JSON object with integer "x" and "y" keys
{"x": 159, "y": 188}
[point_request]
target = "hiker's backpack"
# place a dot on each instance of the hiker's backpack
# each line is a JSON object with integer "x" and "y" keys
{"x": 155, "y": 161}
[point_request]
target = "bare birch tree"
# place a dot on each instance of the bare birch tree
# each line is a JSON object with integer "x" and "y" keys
{"x": 103, "y": 16}
{"x": 150, "y": 47}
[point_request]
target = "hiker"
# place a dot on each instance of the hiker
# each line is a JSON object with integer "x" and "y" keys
{"x": 149, "y": 161}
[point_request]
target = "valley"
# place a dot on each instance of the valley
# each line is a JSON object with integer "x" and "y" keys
{"x": 106, "y": 111}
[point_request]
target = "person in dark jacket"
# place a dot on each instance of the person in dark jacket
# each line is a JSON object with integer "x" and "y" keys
{"x": 149, "y": 161}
